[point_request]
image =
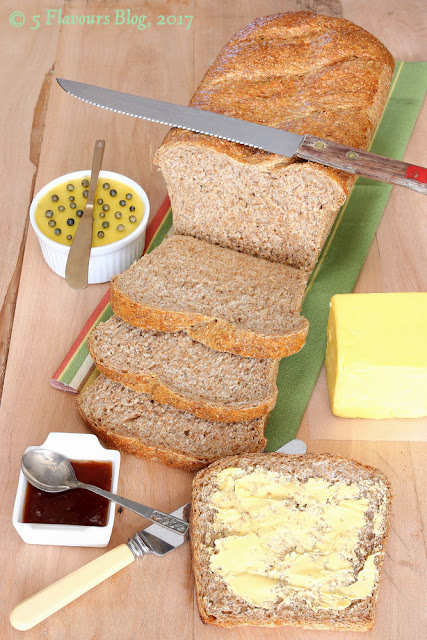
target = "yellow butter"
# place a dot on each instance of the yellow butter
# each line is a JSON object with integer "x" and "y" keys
{"x": 279, "y": 538}
{"x": 376, "y": 356}
{"x": 117, "y": 211}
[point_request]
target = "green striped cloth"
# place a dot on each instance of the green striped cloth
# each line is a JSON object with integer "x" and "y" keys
{"x": 336, "y": 271}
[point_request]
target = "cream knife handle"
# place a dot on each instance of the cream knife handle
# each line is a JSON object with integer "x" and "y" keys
{"x": 43, "y": 604}
{"x": 77, "y": 267}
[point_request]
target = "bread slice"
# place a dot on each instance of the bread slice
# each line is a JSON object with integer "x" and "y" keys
{"x": 296, "y": 71}
{"x": 227, "y": 300}
{"x": 330, "y": 513}
{"x": 135, "y": 423}
{"x": 187, "y": 375}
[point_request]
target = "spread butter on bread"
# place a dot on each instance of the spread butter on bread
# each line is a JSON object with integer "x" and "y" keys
{"x": 289, "y": 540}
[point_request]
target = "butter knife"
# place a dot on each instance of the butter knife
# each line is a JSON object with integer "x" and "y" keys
{"x": 284, "y": 143}
{"x": 77, "y": 267}
{"x": 152, "y": 540}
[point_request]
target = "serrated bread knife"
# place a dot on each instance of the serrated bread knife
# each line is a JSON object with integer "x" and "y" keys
{"x": 152, "y": 540}
{"x": 284, "y": 143}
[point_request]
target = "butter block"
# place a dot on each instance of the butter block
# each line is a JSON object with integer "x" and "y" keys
{"x": 376, "y": 355}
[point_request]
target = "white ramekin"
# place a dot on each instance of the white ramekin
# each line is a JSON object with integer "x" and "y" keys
{"x": 75, "y": 446}
{"x": 107, "y": 261}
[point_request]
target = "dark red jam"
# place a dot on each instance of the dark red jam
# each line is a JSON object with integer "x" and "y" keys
{"x": 76, "y": 506}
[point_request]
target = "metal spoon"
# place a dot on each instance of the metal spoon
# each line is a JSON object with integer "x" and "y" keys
{"x": 77, "y": 267}
{"x": 52, "y": 472}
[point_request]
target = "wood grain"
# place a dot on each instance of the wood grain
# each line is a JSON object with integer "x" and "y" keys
{"x": 363, "y": 163}
{"x": 153, "y": 598}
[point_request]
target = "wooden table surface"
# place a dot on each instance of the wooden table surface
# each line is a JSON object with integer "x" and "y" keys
{"x": 45, "y": 133}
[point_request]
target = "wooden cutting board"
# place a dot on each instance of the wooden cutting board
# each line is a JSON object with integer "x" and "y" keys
{"x": 46, "y": 134}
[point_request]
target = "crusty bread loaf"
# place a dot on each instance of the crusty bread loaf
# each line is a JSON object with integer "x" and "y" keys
{"x": 187, "y": 375}
{"x": 227, "y": 300}
{"x": 296, "y": 71}
{"x": 134, "y": 423}
{"x": 363, "y": 492}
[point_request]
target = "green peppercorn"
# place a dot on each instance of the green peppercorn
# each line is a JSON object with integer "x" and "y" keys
{"x": 100, "y": 234}
{"x": 55, "y": 198}
{"x": 85, "y": 193}
{"x": 79, "y": 213}
{"x": 118, "y": 214}
{"x": 57, "y": 232}
{"x": 132, "y": 218}
{"x": 101, "y": 214}
{"x": 132, "y": 208}
{"x": 129, "y": 196}
{"x": 52, "y": 223}
{"x": 105, "y": 224}
{"x": 106, "y": 207}
{"x": 71, "y": 198}
{"x": 100, "y": 201}
{"x": 113, "y": 192}
{"x": 120, "y": 227}
{"x": 106, "y": 185}
{"x": 73, "y": 205}
{"x": 122, "y": 203}
{"x": 85, "y": 183}
{"x": 70, "y": 187}
{"x": 70, "y": 222}
{"x": 61, "y": 208}
{"x": 49, "y": 213}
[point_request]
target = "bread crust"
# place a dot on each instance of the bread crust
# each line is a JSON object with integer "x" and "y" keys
{"x": 244, "y": 59}
{"x": 149, "y": 383}
{"x": 214, "y": 332}
{"x": 327, "y": 619}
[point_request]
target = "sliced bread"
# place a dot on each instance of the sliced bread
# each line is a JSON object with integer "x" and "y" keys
{"x": 187, "y": 375}
{"x": 134, "y": 423}
{"x": 225, "y": 299}
{"x": 289, "y": 540}
{"x": 296, "y": 71}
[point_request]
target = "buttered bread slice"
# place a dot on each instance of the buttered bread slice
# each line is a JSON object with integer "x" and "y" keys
{"x": 289, "y": 540}
{"x": 227, "y": 300}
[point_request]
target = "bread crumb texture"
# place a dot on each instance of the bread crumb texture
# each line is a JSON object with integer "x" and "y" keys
{"x": 176, "y": 370}
{"x": 135, "y": 423}
{"x": 295, "y": 71}
{"x": 282, "y": 539}
{"x": 228, "y": 300}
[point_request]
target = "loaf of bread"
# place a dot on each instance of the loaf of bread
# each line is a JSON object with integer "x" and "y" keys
{"x": 289, "y": 540}
{"x": 134, "y": 423}
{"x": 227, "y": 300}
{"x": 187, "y": 375}
{"x": 296, "y": 71}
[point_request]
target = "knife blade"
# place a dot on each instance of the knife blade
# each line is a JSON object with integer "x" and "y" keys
{"x": 152, "y": 540}
{"x": 277, "y": 141}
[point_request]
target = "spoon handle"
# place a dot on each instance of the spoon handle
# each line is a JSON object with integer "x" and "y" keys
{"x": 163, "y": 519}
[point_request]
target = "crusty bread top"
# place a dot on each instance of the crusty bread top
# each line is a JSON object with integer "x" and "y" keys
{"x": 188, "y": 275}
{"x": 219, "y": 605}
{"x": 300, "y": 72}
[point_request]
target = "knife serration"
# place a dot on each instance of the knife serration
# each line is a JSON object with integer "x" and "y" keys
{"x": 259, "y": 136}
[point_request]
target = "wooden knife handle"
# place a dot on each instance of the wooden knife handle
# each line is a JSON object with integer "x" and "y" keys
{"x": 43, "y": 604}
{"x": 363, "y": 163}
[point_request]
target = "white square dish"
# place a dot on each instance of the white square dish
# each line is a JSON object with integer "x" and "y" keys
{"x": 75, "y": 446}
